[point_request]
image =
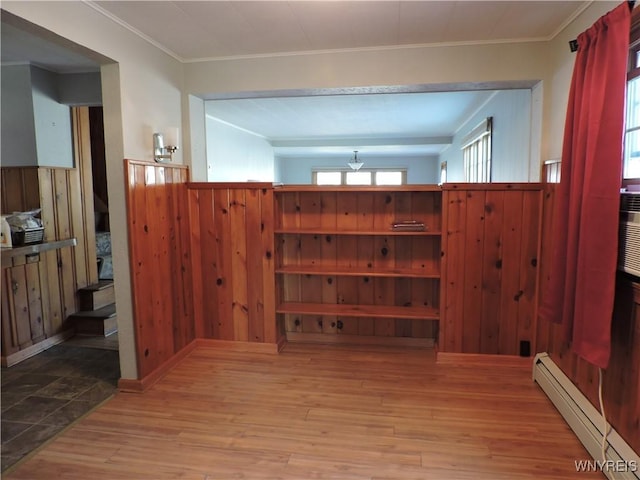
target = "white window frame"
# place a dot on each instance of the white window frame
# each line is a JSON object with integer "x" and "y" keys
{"x": 632, "y": 125}
{"x": 476, "y": 153}
{"x": 344, "y": 171}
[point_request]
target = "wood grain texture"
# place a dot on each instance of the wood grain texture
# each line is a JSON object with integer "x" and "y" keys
{"x": 81, "y": 197}
{"x": 160, "y": 263}
{"x": 342, "y": 270}
{"x": 324, "y": 412}
{"x": 621, "y": 379}
{"x": 491, "y": 245}
{"x": 235, "y": 276}
{"x": 56, "y": 276}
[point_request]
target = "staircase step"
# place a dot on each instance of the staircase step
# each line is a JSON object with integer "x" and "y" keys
{"x": 97, "y": 296}
{"x": 102, "y": 321}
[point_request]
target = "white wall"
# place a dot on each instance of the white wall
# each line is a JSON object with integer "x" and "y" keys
{"x": 401, "y": 66}
{"x": 195, "y": 138}
{"x": 52, "y": 120}
{"x": 141, "y": 90}
{"x": 18, "y": 131}
{"x": 36, "y": 127}
{"x": 511, "y": 112}
{"x": 420, "y": 170}
{"x": 234, "y": 155}
{"x": 78, "y": 89}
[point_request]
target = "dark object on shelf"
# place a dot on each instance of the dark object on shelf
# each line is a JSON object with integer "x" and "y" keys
{"x": 27, "y": 236}
{"x": 409, "y": 225}
{"x": 26, "y": 228}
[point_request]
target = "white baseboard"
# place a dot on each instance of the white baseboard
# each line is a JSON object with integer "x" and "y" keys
{"x": 621, "y": 462}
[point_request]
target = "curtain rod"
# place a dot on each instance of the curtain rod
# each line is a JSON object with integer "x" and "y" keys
{"x": 573, "y": 44}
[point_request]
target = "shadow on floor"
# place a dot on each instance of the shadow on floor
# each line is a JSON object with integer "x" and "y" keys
{"x": 44, "y": 394}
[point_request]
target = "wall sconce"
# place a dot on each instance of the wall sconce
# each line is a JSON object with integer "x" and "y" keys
{"x": 162, "y": 152}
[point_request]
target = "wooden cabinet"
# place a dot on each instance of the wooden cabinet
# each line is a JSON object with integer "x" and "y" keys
{"x": 344, "y": 274}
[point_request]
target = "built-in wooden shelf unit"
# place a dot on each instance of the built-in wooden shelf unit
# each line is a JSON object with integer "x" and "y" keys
{"x": 343, "y": 269}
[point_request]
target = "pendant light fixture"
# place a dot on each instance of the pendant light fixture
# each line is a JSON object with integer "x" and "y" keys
{"x": 355, "y": 164}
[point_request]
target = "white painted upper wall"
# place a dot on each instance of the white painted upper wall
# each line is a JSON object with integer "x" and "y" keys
{"x": 52, "y": 120}
{"x": 234, "y": 155}
{"x": 36, "y": 127}
{"x": 18, "y": 145}
{"x": 80, "y": 89}
{"x": 389, "y": 67}
{"x": 420, "y": 170}
{"x": 511, "y": 113}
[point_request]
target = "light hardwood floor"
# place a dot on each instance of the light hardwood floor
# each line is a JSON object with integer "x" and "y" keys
{"x": 320, "y": 412}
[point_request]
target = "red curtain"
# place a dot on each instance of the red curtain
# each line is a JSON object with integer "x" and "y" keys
{"x": 585, "y": 234}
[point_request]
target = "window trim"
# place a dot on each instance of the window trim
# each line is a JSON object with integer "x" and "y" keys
{"x": 477, "y": 144}
{"x": 344, "y": 171}
{"x": 632, "y": 73}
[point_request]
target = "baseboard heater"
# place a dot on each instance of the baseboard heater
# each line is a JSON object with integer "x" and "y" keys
{"x": 621, "y": 462}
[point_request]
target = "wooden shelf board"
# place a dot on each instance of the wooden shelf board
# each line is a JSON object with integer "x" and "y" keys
{"x": 347, "y": 310}
{"x": 328, "y": 231}
{"x": 352, "y": 188}
{"x": 9, "y": 253}
{"x": 338, "y": 338}
{"x": 356, "y": 271}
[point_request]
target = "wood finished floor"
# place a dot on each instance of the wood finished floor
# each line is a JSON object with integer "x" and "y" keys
{"x": 320, "y": 412}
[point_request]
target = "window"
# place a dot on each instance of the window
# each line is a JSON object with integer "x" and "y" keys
{"x": 358, "y": 178}
{"x": 551, "y": 171}
{"x": 381, "y": 176}
{"x": 631, "y": 165}
{"x": 476, "y": 153}
{"x": 389, "y": 177}
{"x": 328, "y": 178}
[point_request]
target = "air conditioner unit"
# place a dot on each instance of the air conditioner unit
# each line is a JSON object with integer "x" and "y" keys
{"x": 629, "y": 240}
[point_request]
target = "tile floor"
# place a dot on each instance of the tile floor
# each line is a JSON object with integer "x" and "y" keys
{"x": 43, "y": 394}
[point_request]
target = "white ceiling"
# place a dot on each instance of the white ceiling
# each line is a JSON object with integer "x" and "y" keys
{"x": 374, "y": 124}
{"x": 221, "y": 29}
{"x": 402, "y": 123}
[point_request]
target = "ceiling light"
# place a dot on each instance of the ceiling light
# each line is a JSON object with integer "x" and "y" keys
{"x": 355, "y": 164}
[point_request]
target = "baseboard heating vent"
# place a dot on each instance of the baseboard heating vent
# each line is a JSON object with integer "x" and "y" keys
{"x": 621, "y": 462}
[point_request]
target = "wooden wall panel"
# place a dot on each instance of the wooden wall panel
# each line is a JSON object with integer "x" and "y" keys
{"x": 160, "y": 262}
{"x": 621, "y": 379}
{"x": 491, "y": 246}
{"x": 183, "y": 323}
{"x": 8, "y": 337}
{"x": 273, "y": 330}
{"x": 55, "y": 276}
{"x": 222, "y": 314}
{"x": 238, "y": 268}
{"x": 237, "y": 252}
{"x": 196, "y": 237}
{"x": 20, "y": 190}
{"x": 472, "y": 287}
{"x": 81, "y": 196}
